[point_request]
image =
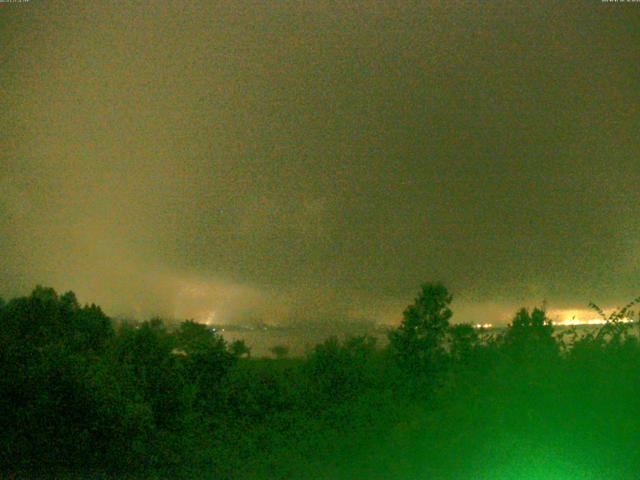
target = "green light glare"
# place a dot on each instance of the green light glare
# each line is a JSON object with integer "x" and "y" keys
{"x": 550, "y": 471}
{"x": 532, "y": 462}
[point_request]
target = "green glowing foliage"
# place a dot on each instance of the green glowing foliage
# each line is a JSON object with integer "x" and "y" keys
{"x": 158, "y": 400}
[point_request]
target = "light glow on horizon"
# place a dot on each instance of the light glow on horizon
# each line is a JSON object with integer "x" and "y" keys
{"x": 590, "y": 321}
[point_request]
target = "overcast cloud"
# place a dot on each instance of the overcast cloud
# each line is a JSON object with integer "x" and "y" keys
{"x": 311, "y": 161}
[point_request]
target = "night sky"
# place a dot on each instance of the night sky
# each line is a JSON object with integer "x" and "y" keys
{"x": 317, "y": 161}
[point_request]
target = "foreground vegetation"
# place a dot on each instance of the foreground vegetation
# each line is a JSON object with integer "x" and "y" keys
{"x": 82, "y": 397}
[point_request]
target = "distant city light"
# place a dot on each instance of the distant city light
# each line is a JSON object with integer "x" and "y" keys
{"x": 484, "y": 326}
{"x": 568, "y": 322}
{"x": 591, "y": 321}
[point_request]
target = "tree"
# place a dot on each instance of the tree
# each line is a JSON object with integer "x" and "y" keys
{"x": 279, "y": 351}
{"x": 530, "y": 335}
{"x": 44, "y": 318}
{"x": 463, "y": 340}
{"x": 418, "y": 343}
{"x": 207, "y": 358}
{"x": 239, "y": 349}
{"x": 145, "y": 356}
{"x": 615, "y": 324}
{"x": 341, "y": 369}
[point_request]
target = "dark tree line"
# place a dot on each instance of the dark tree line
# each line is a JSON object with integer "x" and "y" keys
{"x": 84, "y": 397}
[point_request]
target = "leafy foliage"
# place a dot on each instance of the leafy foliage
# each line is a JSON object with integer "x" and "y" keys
{"x": 279, "y": 351}
{"x": 80, "y": 399}
{"x": 419, "y": 341}
{"x": 530, "y": 336}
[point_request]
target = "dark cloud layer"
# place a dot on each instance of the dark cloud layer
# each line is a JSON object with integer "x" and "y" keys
{"x": 301, "y": 161}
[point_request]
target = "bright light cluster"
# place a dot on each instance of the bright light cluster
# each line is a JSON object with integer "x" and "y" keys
{"x": 484, "y": 326}
{"x": 591, "y": 321}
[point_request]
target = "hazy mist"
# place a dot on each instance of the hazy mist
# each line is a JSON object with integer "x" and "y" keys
{"x": 317, "y": 161}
